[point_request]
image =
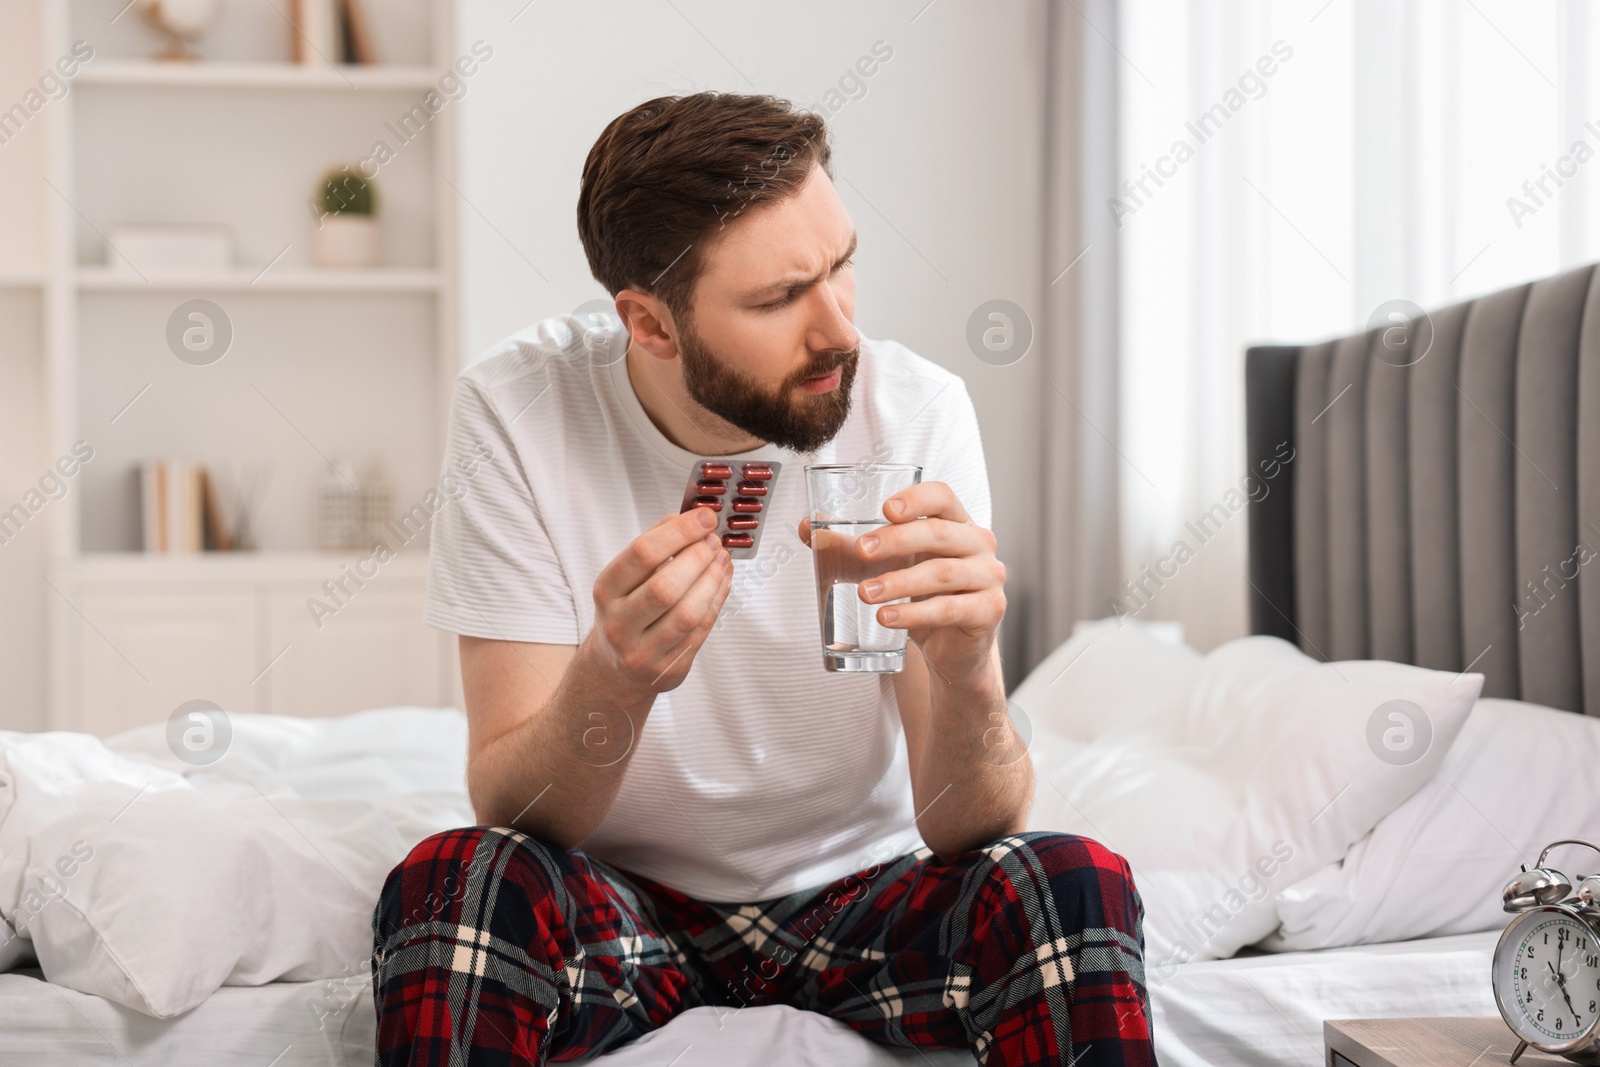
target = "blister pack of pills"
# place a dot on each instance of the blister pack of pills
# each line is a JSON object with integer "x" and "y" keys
{"x": 738, "y": 493}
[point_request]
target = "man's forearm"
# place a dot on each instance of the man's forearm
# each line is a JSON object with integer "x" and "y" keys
{"x": 556, "y": 775}
{"x": 974, "y": 779}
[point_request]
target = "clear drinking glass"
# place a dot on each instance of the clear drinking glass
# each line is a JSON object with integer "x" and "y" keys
{"x": 846, "y": 502}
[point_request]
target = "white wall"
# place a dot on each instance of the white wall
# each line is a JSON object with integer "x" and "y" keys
{"x": 23, "y": 457}
{"x": 23, "y": 461}
{"x": 938, "y": 163}
{"x": 22, "y": 62}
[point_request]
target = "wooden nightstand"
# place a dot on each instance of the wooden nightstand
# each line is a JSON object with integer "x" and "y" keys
{"x": 1457, "y": 1041}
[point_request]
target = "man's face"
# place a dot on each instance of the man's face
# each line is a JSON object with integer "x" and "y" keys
{"x": 770, "y": 346}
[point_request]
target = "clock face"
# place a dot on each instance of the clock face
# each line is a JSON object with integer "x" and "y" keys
{"x": 1547, "y": 978}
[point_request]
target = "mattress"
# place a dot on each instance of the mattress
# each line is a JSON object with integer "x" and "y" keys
{"x": 1268, "y": 1009}
{"x": 284, "y": 1024}
{"x": 1250, "y": 1010}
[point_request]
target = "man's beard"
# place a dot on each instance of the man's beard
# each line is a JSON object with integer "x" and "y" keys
{"x": 792, "y": 419}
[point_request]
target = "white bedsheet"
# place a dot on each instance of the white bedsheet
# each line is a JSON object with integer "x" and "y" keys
{"x": 1250, "y": 1011}
{"x": 303, "y": 1024}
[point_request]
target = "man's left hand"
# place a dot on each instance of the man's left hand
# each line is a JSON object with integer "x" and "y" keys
{"x": 956, "y": 584}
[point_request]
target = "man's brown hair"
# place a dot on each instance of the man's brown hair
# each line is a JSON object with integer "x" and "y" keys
{"x": 664, "y": 179}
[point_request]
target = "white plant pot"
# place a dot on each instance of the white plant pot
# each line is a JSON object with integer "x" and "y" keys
{"x": 347, "y": 241}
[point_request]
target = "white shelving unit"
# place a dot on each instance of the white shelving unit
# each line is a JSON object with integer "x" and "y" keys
{"x": 259, "y": 75}
{"x": 324, "y": 363}
{"x": 101, "y": 279}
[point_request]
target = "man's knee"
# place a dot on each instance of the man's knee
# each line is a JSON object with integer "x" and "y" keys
{"x": 430, "y": 884}
{"x": 1083, "y": 873}
{"x": 1060, "y": 852}
{"x": 451, "y": 848}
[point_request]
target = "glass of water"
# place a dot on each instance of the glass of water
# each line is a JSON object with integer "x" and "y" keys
{"x": 846, "y": 502}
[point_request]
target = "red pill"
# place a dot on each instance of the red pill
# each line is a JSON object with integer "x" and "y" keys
{"x": 742, "y": 522}
{"x": 758, "y": 471}
{"x": 753, "y": 488}
{"x": 716, "y": 470}
{"x": 711, "y": 486}
{"x": 745, "y": 503}
{"x": 733, "y": 540}
{"x": 706, "y": 502}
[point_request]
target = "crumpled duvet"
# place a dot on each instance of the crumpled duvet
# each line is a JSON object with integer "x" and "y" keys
{"x": 130, "y": 874}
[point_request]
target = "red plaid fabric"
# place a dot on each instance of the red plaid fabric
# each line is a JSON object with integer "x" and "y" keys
{"x": 493, "y": 947}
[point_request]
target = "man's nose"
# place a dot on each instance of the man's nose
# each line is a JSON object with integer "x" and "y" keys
{"x": 833, "y": 331}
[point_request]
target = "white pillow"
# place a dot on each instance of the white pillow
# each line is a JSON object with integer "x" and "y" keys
{"x": 183, "y": 893}
{"x": 265, "y": 865}
{"x": 1518, "y": 777}
{"x": 40, "y": 775}
{"x": 1257, "y": 776}
{"x": 1112, "y": 677}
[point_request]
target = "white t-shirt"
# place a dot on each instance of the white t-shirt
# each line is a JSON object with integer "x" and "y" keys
{"x": 762, "y": 773}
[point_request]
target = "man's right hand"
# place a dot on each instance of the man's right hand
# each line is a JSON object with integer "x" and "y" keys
{"x": 567, "y": 716}
{"x": 658, "y": 599}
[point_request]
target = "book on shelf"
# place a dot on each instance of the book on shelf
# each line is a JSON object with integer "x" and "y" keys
{"x": 331, "y": 31}
{"x": 178, "y": 509}
{"x": 314, "y": 31}
{"x": 357, "y": 36}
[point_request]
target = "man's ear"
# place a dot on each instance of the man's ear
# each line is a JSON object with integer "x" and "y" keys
{"x": 649, "y": 323}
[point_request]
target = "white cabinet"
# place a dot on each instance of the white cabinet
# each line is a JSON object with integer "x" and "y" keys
{"x": 144, "y": 653}
{"x": 135, "y": 637}
{"x": 374, "y": 651}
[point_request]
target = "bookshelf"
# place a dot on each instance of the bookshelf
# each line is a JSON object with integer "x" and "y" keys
{"x": 244, "y": 74}
{"x": 324, "y": 364}
{"x": 100, "y": 279}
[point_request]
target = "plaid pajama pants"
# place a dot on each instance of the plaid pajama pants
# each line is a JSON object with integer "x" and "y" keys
{"x": 493, "y": 947}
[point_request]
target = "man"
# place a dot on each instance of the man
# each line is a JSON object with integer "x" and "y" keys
{"x": 681, "y": 807}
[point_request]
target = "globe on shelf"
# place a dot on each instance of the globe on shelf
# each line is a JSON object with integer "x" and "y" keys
{"x": 183, "y": 21}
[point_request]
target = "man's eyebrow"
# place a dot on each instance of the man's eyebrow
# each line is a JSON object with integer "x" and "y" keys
{"x": 799, "y": 281}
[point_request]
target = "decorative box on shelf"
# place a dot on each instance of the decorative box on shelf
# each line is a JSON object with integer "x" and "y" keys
{"x": 139, "y": 250}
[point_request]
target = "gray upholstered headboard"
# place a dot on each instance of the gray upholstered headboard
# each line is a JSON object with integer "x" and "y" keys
{"x": 1447, "y": 512}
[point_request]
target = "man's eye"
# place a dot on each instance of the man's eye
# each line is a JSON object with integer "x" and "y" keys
{"x": 789, "y": 298}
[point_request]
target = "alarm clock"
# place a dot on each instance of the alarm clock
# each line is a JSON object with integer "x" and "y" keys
{"x": 1546, "y": 969}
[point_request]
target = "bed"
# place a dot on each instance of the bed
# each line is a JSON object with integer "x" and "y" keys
{"x": 1416, "y": 502}
{"x": 1446, "y": 476}
{"x": 1252, "y": 1011}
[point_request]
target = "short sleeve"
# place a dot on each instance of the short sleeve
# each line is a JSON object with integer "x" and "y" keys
{"x": 493, "y": 571}
{"x": 960, "y": 463}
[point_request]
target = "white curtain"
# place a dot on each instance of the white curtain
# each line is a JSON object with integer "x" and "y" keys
{"x": 1286, "y": 169}
{"x": 1080, "y": 469}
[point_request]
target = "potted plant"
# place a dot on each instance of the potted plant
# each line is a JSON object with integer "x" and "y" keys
{"x": 347, "y": 226}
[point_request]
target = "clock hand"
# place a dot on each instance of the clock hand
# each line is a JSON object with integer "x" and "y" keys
{"x": 1561, "y": 984}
